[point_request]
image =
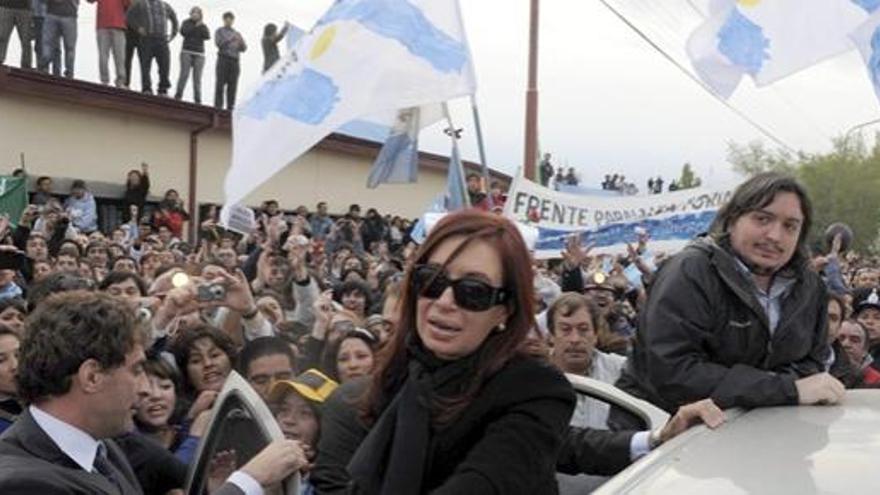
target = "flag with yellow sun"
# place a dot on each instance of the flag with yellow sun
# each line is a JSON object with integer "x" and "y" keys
{"x": 363, "y": 57}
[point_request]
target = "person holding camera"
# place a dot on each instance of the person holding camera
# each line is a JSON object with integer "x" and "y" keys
{"x": 171, "y": 213}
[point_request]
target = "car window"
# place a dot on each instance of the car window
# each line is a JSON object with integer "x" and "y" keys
{"x": 596, "y": 401}
{"x": 240, "y": 428}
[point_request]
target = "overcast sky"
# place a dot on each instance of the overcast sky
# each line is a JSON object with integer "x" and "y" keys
{"x": 608, "y": 101}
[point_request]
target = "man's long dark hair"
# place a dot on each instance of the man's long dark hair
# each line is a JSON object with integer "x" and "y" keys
{"x": 757, "y": 193}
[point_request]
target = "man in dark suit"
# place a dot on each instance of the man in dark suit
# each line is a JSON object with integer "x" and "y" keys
{"x": 81, "y": 371}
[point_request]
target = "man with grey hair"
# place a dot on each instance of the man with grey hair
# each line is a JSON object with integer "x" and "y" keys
{"x": 738, "y": 316}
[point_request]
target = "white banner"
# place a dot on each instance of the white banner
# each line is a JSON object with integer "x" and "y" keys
{"x": 609, "y": 223}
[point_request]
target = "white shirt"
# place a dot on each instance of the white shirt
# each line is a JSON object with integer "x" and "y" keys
{"x": 589, "y": 412}
{"x": 75, "y": 443}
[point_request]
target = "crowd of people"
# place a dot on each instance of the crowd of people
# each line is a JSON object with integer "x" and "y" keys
{"x": 618, "y": 183}
{"x": 396, "y": 367}
{"x": 561, "y": 177}
{"x": 48, "y": 29}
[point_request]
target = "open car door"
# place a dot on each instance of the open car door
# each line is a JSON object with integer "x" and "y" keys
{"x": 649, "y": 416}
{"x": 241, "y": 426}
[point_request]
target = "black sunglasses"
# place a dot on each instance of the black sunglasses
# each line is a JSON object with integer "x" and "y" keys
{"x": 470, "y": 293}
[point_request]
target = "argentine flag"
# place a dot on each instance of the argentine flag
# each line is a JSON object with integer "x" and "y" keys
{"x": 362, "y": 58}
{"x": 771, "y": 39}
{"x": 867, "y": 40}
{"x": 456, "y": 188}
{"x": 398, "y": 160}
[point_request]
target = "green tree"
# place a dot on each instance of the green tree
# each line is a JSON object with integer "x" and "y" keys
{"x": 753, "y": 158}
{"x": 688, "y": 178}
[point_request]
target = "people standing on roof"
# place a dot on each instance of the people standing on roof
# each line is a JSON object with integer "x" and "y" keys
{"x": 230, "y": 45}
{"x": 60, "y": 26}
{"x": 546, "y": 169}
{"x": 16, "y": 14}
{"x": 271, "y": 38}
{"x": 192, "y": 55}
{"x": 38, "y": 17}
{"x": 110, "y": 32}
{"x": 150, "y": 18}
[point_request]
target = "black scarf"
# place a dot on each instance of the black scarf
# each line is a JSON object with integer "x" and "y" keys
{"x": 392, "y": 458}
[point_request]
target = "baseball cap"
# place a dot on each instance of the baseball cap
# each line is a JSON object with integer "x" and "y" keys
{"x": 312, "y": 385}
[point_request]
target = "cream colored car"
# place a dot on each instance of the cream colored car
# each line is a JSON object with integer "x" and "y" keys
{"x": 797, "y": 450}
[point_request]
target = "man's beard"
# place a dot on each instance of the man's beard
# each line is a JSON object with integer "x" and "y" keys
{"x": 755, "y": 269}
{"x": 762, "y": 271}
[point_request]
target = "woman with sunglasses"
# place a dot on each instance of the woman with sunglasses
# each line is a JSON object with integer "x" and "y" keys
{"x": 454, "y": 404}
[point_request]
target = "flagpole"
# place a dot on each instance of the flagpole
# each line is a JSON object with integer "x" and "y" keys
{"x": 454, "y": 136}
{"x": 478, "y": 127}
{"x": 531, "y": 134}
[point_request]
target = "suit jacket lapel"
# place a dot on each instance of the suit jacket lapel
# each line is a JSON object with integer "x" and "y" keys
{"x": 125, "y": 474}
{"x": 38, "y": 443}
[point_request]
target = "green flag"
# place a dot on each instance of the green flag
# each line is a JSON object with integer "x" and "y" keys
{"x": 13, "y": 197}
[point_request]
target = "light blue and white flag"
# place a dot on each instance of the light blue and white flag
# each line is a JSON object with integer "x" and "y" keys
{"x": 867, "y": 40}
{"x": 456, "y": 188}
{"x": 436, "y": 209}
{"x": 398, "y": 160}
{"x": 771, "y": 39}
{"x": 363, "y": 57}
{"x": 294, "y": 33}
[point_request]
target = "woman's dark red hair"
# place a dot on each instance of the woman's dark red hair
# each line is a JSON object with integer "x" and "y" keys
{"x": 498, "y": 348}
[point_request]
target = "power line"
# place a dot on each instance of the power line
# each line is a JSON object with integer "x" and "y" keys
{"x": 695, "y": 79}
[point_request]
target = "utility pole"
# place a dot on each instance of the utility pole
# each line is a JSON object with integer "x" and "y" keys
{"x": 531, "y": 145}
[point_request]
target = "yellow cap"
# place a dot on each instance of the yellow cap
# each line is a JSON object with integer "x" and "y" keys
{"x": 311, "y": 384}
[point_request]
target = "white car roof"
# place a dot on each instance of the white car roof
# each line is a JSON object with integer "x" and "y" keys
{"x": 779, "y": 450}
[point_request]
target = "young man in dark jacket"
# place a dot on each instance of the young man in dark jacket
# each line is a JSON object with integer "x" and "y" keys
{"x": 230, "y": 45}
{"x": 150, "y": 19}
{"x": 738, "y": 316}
